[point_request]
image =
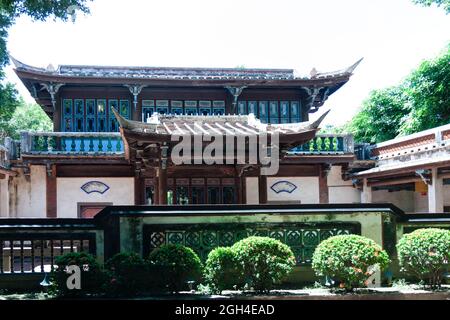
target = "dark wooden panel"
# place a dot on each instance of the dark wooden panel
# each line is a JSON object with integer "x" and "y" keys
{"x": 95, "y": 171}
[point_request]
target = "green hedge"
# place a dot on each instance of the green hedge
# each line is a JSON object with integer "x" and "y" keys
{"x": 349, "y": 259}
{"x": 425, "y": 254}
{"x": 173, "y": 266}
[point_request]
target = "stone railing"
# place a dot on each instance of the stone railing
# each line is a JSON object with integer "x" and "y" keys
{"x": 327, "y": 144}
{"x": 89, "y": 143}
{"x": 431, "y": 140}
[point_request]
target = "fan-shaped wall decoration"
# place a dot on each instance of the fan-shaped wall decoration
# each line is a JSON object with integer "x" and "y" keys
{"x": 94, "y": 186}
{"x": 283, "y": 186}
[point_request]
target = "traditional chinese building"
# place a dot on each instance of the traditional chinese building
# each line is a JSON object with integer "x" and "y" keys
{"x": 84, "y": 164}
{"x": 112, "y": 146}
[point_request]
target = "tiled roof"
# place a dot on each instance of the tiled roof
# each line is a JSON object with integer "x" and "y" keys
{"x": 213, "y": 125}
{"x": 167, "y": 73}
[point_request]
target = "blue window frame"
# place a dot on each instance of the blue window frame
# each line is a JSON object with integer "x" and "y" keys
{"x": 113, "y": 124}
{"x": 90, "y": 115}
{"x": 67, "y": 115}
{"x": 102, "y": 124}
{"x": 79, "y": 115}
{"x": 219, "y": 111}
{"x": 190, "y": 107}
{"x": 263, "y": 111}
{"x": 147, "y": 112}
{"x": 176, "y": 107}
{"x": 296, "y": 114}
{"x": 242, "y": 107}
{"x": 162, "y": 110}
{"x": 204, "y": 111}
{"x": 190, "y": 111}
{"x": 176, "y": 110}
{"x": 125, "y": 108}
{"x": 253, "y": 108}
{"x": 274, "y": 112}
{"x": 284, "y": 112}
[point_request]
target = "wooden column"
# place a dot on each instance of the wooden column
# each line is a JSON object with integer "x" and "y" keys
{"x": 262, "y": 189}
{"x": 51, "y": 192}
{"x": 138, "y": 189}
{"x": 323, "y": 185}
{"x": 162, "y": 185}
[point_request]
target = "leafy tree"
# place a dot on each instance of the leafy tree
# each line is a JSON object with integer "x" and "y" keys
{"x": 380, "y": 116}
{"x": 38, "y": 10}
{"x": 8, "y": 105}
{"x": 420, "y": 102}
{"x": 428, "y": 90}
{"x": 29, "y": 117}
{"x": 428, "y": 3}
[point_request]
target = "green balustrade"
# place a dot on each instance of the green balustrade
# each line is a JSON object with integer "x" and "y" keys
{"x": 73, "y": 143}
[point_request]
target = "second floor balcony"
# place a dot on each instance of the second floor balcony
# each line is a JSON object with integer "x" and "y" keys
{"x": 101, "y": 144}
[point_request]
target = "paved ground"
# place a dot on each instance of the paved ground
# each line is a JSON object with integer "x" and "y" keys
{"x": 410, "y": 292}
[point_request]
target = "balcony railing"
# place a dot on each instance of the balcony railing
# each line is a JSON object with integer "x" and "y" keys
{"x": 99, "y": 143}
{"x": 88, "y": 143}
{"x": 327, "y": 144}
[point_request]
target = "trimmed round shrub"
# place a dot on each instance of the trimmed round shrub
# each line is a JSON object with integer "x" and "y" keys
{"x": 127, "y": 274}
{"x": 263, "y": 262}
{"x": 425, "y": 254}
{"x": 172, "y": 266}
{"x": 221, "y": 270}
{"x": 92, "y": 276}
{"x": 349, "y": 259}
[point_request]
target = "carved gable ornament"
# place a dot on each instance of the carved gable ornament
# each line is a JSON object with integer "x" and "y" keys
{"x": 94, "y": 186}
{"x": 283, "y": 186}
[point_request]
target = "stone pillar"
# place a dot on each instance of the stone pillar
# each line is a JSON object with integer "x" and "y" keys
{"x": 435, "y": 193}
{"x": 366, "y": 194}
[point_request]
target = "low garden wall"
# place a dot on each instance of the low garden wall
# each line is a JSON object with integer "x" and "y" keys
{"x": 28, "y": 247}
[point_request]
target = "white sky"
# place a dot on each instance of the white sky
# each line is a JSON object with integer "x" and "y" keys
{"x": 392, "y": 36}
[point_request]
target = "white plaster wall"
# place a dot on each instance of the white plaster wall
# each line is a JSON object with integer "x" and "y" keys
{"x": 69, "y": 194}
{"x": 252, "y": 190}
{"x": 339, "y": 190}
{"x": 307, "y": 190}
{"x": 420, "y": 202}
{"x": 28, "y": 194}
{"x": 344, "y": 194}
{"x": 402, "y": 199}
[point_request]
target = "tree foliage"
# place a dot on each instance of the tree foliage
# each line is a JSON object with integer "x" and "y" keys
{"x": 27, "y": 116}
{"x": 8, "y": 104}
{"x": 10, "y": 10}
{"x": 445, "y": 4}
{"x": 420, "y": 102}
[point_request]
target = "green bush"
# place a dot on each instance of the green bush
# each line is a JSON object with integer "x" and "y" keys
{"x": 221, "y": 270}
{"x": 127, "y": 274}
{"x": 172, "y": 266}
{"x": 425, "y": 253}
{"x": 92, "y": 276}
{"x": 263, "y": 261}
{"x": 350, "y": 259}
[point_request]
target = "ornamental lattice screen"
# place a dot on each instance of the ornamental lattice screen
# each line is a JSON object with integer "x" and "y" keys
{"x": 202, "y": 238}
